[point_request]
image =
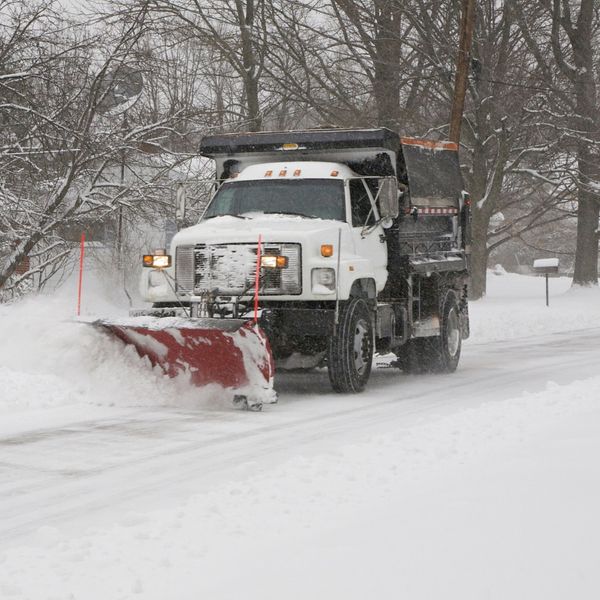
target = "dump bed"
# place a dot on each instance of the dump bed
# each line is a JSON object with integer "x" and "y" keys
{"x": 428, "y": 168}
{"x": 348, "y": 146}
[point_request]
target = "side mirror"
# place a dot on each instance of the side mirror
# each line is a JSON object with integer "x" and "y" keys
{"x": 388, "y": 198}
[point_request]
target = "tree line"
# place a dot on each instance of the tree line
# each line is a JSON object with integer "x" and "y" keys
{"x": 74, "y": 154}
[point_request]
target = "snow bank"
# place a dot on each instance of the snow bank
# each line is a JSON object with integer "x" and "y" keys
{"x": 48, "y": 360}
{"x": 463, "y": 506}
{"x": 515, "y": 306}
{"x": 495, "y": 499}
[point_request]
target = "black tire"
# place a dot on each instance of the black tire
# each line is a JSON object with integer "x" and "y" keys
{"x": 442, "y": 353}
{"x": 439, "y": 354}
{"x": 350, "y": 353}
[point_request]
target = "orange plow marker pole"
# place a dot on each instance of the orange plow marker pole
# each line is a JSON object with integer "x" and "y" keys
{"x": 257, "y": 279}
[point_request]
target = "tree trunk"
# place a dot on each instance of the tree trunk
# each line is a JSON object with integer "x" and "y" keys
{"x": 588, "y": 212}
{"x": 246, "y": 16}
{"x": 480, "y": 218}
{"x": 586, "y": 257}
{"x": 479, "y": 254}
{"x": 388, "y": 50}
{"x": 582, "y": 39}
{"x": 254, "y": 116}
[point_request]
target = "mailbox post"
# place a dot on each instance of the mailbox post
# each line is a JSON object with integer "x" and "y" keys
{"x": 545, "y": 266}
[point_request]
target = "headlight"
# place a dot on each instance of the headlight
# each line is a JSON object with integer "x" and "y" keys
{"x": 274, "y": 262}
{"x": 323, "y": 281}
{"x": 157, "y": 261}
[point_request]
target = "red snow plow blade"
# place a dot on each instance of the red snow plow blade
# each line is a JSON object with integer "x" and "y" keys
{"x": 232, "y": 353}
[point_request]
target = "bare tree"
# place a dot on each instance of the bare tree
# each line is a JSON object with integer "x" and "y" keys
{"x": 236, "y": 32}
{"x": 361, "y": 62}
{"x": 564, "y": 39}
{"x": 347, "y": 61}
{"x": 62, "y": 149}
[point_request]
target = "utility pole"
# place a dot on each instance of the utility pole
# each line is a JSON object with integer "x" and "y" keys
{"x": 467, "y": 24}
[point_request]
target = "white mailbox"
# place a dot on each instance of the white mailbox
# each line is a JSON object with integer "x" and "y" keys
{"x": 545, "y": 266}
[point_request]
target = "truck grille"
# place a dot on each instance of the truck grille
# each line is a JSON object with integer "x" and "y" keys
{"x": 230, "y": 269}
{"x": 184, "y": 270}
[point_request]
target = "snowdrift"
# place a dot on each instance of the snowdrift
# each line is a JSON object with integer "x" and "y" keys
{"x": 47, "y": 359}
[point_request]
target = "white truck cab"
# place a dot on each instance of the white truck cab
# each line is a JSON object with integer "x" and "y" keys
{"x": 321, "y": 216}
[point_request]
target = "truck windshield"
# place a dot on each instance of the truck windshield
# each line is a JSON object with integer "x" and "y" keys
{"x": 313, "y": 198}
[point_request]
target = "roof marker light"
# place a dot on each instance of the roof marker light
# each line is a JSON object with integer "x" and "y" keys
{"x": 335, "y": 173}
{"x": 268, "y": 173}
{"x": 297, "y": 172}
{"x": 283, "y": 173}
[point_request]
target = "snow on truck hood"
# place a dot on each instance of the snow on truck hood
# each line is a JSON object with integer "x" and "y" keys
{"x": 273, "y": 228}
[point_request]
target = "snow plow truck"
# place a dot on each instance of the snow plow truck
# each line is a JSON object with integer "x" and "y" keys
{"x": 318, "y": 248}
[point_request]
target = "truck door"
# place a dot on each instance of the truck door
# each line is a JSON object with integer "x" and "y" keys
{"x": 369, "y": 238}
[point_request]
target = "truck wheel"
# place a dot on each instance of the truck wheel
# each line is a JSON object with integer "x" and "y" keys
{"x": 438, "y": 354}
{"x": 350, "y": 353}
{"x": 442, "y": 353}
{"x": 450, "y": 340}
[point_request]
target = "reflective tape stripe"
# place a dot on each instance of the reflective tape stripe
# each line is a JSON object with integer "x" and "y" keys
{"x": 431, "y": 144}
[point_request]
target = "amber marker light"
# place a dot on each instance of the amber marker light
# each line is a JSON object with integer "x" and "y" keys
{"x": 290, "y": 146}
{"x": 335, "y": 173}
{"x": 326, "y": 250}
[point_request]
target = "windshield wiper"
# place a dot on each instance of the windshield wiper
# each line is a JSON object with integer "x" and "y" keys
{"x": 296, "y": 214}
{"x": 214, "y": 216}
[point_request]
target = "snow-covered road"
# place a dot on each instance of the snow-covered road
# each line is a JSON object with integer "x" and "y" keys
{"x": 116, "y": 483}
{"x": 88, "y": 469}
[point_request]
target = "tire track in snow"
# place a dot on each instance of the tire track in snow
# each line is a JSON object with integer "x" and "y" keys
{"x": 186, "y": 466}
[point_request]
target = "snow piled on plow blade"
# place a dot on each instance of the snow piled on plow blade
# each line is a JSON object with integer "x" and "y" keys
{"x": 47, "y": 360}
{"x": 231, "y": 353}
